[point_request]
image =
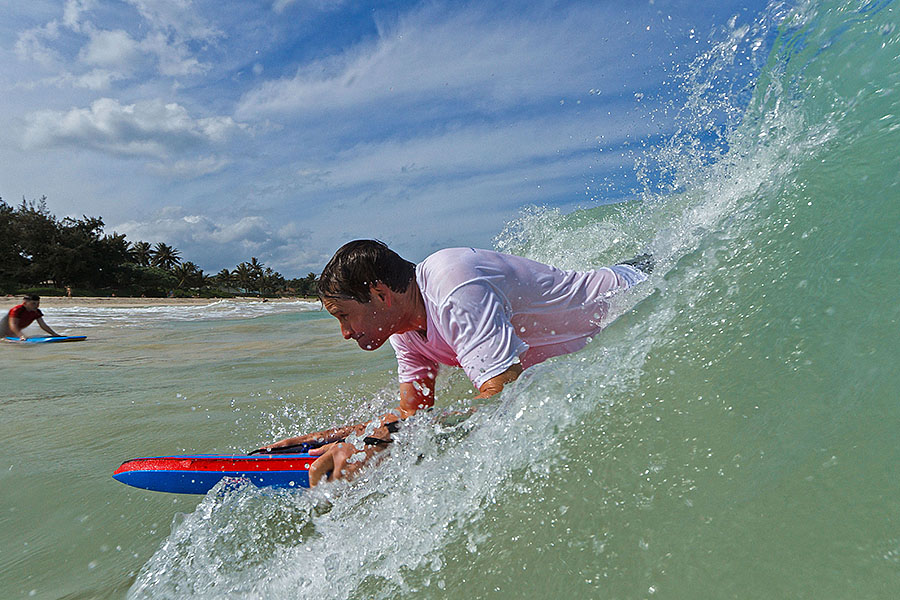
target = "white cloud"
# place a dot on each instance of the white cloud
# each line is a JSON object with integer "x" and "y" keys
{"x": 279, "y": 6}
{"x": 174, "y": 57}
{"x": 172, "y": 30}
{"x": 247, "y": 229}
{"x": 97, "y": 79}
{"x": 190, "y": 168}
{"x": 179, "y": 17}
{"x": 32, "y": 44}
{"x": 465, "y": 151}
{"x": 174, "y": 25}
{"x": 73, "y": 11}
{"x": 173, "y": 224}
{"x": 216, "y": 244}
{"x": 149, "y": 128}
{"x": 437, "y": 57}
{"x": 417, "y": 214}
{"x": 110, "y": 49}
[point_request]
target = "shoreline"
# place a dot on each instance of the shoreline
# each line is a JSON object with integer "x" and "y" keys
{"x": 7, "y": 302}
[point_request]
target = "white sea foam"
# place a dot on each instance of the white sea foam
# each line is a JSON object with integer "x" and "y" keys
{"x": 77, "y": 317}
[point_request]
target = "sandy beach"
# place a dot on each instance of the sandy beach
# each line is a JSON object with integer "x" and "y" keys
{"x": 8, "y": 302}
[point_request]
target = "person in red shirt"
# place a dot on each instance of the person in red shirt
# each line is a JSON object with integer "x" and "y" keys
{"x": 23, "y": 315}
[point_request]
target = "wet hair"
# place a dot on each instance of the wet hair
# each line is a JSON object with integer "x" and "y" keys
{"x": 360, "y": 264}
{"x": 32, "y": 297}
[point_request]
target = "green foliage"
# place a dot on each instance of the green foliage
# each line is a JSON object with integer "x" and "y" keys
{"x": 164, "y": 256}
{"x": 38, "y": 248}
{"x": 40, "y": 291}
{"x": 305, "y": 286}
{"x": 42, "y": 253}
{"x": 212, "y": 293}
{"x": 141, "y": 253}
{"x": 11, "y": 262}
{"x": 153, "y": 282}
{"x": 188, "y": 276}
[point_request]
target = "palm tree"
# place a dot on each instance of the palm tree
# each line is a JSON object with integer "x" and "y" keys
{"x": 244, "y": 276}
{"x": 257, "y": 274}
{"x": 203, "y": 280}
{"x": 256, "y": 267}
{"x": 141, "y": 253}
{"x": 271, "y": 281}
{"x": 117, "y": 243}
{"x": 224, "y": 278}
{"x": 188, "y": 275}
{"x": 165, "y": 256}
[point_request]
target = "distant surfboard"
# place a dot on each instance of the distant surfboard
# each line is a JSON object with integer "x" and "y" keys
{"x": 198, "y": 473}
{"x": 50, "y": 339}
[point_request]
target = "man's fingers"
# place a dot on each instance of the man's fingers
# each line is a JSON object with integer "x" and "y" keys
{"x": 339, "y": 461}
{"x": 333, "y": 461}
{"x": 320, "y": 450}
{"x": 319, "y": 468}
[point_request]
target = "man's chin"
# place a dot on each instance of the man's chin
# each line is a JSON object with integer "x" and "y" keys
{"x": 370, "y": 344}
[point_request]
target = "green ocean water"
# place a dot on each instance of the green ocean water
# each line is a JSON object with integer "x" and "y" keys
{"x": 222, "y": 378}
{"x": 733, "y": 434}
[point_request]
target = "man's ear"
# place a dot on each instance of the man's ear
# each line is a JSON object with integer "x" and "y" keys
{"x": 381, "y": 291}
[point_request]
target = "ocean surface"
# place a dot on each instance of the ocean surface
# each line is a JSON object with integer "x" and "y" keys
{"x": 734, "y": 433}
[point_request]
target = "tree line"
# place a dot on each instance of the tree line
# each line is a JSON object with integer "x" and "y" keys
{"x": 42, "y": 254}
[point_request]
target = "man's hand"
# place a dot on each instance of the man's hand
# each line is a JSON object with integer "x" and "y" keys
{"x": 339, "y": 460}
{"x": 14, "y": 329}
{"x": 47, "y": 328}
{"x": 381, "y": 429}
{"x": 318, "y": 438}
{"x": 494, "y": 385}
{"x": 416, "y": 395}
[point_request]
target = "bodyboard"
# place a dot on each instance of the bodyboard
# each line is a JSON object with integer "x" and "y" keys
{"x": 50, "y": 339}
{"x": 199, "y": 473}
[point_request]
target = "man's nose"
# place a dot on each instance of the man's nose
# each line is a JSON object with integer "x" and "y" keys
{"x": 346, "y": 332}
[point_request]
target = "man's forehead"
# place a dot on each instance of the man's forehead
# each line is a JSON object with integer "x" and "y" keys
{"x": 336, "y": 305}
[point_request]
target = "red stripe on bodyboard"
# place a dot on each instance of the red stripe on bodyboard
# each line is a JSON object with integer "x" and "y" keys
{"x": 223, "y": 463}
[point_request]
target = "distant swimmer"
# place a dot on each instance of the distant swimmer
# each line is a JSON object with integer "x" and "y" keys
{"x": 490, "y": 313}
{"x": 23, "y": 315}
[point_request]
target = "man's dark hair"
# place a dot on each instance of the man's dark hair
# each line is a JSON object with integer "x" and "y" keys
{"x": 360, "y": 264}
{"x": 32, "y": 297}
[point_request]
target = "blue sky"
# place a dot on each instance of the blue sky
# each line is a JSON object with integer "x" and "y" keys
{"x": 282, "y": 128}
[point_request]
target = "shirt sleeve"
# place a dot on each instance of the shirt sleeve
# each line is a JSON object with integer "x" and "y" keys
{"x": 411, "y": 365}
{"x": 475, "y": 321}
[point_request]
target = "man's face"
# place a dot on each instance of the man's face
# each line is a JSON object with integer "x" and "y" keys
{"x": 370, "y": 324}
{"x": 31, "y": 305}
